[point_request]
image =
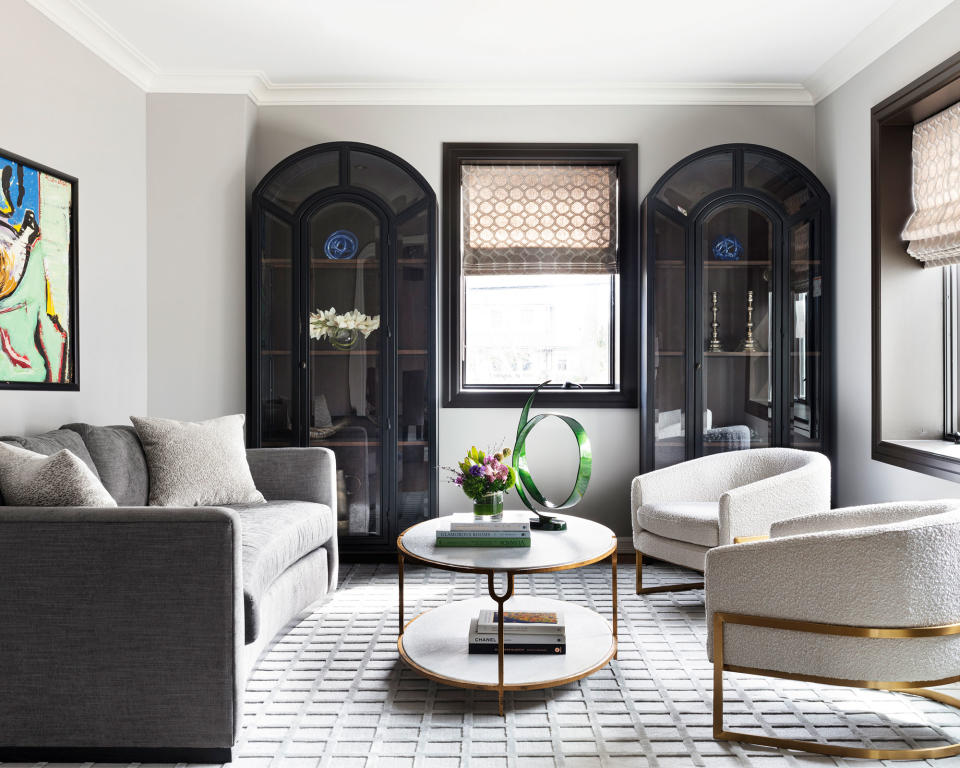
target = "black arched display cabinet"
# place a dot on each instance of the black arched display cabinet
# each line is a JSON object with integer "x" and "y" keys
{"x": 738, "y": 313}
{"x": 352, "y": 228}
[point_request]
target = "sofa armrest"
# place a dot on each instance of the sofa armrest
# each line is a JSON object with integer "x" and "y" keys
{"x": 858, "y": 517}
{"x": 121, "y": 627}
{"x": 295, "y": 474}
{"x": 751, "y": 509}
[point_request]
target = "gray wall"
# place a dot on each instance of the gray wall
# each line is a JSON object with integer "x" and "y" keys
{"x": 196, "y": 195}
{"x": 843, "y": 163}
{"x": 664, "y": 134}
{"x": 67, "y": 109}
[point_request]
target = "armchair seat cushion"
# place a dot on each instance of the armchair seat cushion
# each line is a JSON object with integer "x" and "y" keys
{"x": 695, "y": 522}
{"x": 275, "y": 536}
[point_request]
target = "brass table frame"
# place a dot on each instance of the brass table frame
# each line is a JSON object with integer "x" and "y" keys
{"x": 501, "y": 599}
{"x": 916, "y": 688}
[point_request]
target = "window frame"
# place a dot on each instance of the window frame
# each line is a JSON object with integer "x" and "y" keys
{"x": 891, "y": 131}
{"x": 625, "y": 158}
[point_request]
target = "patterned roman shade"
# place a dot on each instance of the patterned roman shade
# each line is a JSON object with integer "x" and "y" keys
{"x": 934, "y": 227}
{"x": 528, "y": 219}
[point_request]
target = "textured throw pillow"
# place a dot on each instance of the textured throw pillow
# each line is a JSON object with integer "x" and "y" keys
{"x": 30, "y": 479}
{"x": 197, "y": 463}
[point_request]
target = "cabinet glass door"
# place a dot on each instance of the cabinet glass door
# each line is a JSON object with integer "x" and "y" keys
{"x": 277, "y": 347}
{"x": 343, "y": 244}
{"x": 414, "y": 323}
{"x": 804, "y": 321}
{"x": 736, "y": 249}
{"x": 670, "y": 343}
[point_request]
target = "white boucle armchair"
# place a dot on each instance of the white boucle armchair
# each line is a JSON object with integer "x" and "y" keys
{"x": 865, "y": 596}
{"x": 679, "y": 513}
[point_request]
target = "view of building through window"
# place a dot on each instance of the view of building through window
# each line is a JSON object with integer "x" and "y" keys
{"x": 525, "y": 329}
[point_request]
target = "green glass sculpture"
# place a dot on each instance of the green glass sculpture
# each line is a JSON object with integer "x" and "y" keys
{"x": 526, "y": 488}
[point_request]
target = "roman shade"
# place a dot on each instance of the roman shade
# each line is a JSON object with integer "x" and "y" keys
{"x": 933, "y": 228}
{"x": 546, "y": 219}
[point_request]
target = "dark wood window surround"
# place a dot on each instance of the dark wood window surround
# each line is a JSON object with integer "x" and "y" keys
{"x": 891, "y": 124}
{"x": 625, "y": 157}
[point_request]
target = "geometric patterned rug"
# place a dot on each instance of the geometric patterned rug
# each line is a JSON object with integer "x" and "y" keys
{"x": 333, "y": 693}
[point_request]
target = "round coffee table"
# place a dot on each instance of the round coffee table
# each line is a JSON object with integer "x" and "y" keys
{"x": 435, "y": 643}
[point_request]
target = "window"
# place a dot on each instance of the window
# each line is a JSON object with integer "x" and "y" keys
{"x": 541, "y": 267}
{"x": 915, "y": 151}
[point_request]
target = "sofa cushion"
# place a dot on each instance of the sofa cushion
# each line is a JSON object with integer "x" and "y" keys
{"x": 119, "y": 458}
{"x": 276, "y": 535}
{"x": 56, "y": 440}
{"x": 31, "y": 479}
{"x": 197, "y": 463}
{"x": 696, "y": 522}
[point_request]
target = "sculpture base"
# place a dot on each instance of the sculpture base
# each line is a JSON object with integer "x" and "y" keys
{"x": 547, "y": 524}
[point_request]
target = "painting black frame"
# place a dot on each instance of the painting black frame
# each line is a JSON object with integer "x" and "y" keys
{"x": 625, "y": 157}
{"x": 72, "y": 285}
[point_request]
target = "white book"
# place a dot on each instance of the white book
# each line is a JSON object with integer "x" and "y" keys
{"x": 491, "y": 638}
{"x": 484, "y": 534}
{"x": 487, "y": 623}
{"x": 511, "y": 521}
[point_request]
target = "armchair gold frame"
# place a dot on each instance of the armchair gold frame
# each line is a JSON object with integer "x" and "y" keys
{"x": 916, "y": 688}
{"x": 642, "y": 590}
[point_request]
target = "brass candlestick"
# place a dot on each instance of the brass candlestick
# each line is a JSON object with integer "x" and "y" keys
{"x": 749, "y": 343}
{"x": 714, "y": 345}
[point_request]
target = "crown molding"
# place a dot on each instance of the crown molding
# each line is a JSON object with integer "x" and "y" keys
{"x": 74, "y": 17}
{"x": 263, "y": 92}
{"x": 77, "y": 20}
{"x": 888, "y": 29}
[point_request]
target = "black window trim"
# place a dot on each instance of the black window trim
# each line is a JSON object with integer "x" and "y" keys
{"x": 891, "y": 125}
{"x": 625, "y": 157}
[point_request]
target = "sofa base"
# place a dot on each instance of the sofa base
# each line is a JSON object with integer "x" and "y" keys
{"x": 206, "y": 755}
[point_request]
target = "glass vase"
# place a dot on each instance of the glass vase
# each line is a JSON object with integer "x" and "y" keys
{"x": 489, "y": 506}
{"x": 345, "y": 338}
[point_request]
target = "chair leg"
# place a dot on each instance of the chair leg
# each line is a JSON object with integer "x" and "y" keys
{"x": 641, "y": 590}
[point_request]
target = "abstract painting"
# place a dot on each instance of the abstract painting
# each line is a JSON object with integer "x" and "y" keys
{"x": 38, "y": 276}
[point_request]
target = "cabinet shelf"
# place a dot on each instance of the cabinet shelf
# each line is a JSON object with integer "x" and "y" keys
{"x": 344, "y": 352}
{"x": 679, "y": 263}
{"x": 344, "y": 443}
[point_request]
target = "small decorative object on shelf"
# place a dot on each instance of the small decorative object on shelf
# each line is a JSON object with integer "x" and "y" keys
{"x": 342, "y": 331}
{"x": 727, "y": 248}
{"x": 342, "y": 244}
{"x": 749, "y": 343}
{"x": 714, "y": 345}
{"x": 525, "y": 484}
{"x": 484, "y": 478}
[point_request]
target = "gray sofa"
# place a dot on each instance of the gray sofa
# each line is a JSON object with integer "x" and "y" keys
{"x": 128, "y": 633}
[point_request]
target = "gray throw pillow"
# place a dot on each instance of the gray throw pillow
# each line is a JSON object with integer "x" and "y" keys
{"x": 30, "y": 479}
{"x": 197, "y": 463}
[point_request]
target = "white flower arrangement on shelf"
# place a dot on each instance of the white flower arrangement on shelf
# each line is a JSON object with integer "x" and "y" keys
{"x": 343, "y": 331}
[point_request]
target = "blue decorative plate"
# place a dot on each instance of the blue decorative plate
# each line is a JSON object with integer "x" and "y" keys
{"x": 727, "y": 248}
{"x": 342, "y": 244}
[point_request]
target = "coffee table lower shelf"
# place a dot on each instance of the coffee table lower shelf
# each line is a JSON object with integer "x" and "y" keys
{"x": 435, "y": 645}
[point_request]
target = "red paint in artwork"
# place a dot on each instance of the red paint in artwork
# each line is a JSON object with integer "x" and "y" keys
{"x": 21, "y": 361}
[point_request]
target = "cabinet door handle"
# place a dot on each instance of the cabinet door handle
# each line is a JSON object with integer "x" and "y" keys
{"x": 697, "y": 366}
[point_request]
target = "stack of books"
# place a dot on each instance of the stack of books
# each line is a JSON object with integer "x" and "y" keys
{"x": 523, "y": 632}
{"x": 465, "y": 531}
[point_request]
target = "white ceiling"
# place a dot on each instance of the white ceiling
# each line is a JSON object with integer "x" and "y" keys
{"x": 493, "y": 51}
